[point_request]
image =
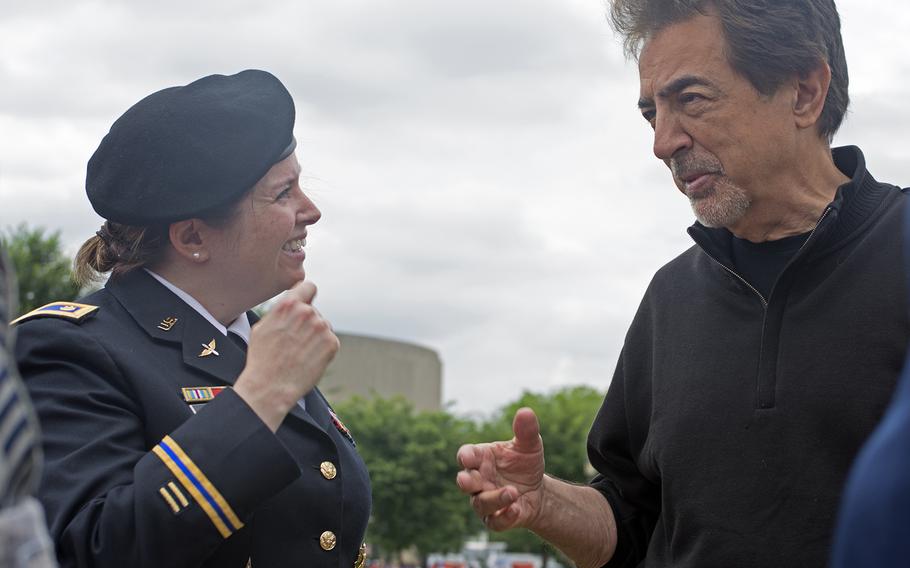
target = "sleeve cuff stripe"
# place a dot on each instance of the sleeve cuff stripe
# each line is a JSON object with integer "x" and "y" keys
{"x": 205, "y": 486}
{"x": 169, "y": 499}
{"x": 196, "y": 489}
{"x": 206, "y": 506}
{"x": 178, "y": 493}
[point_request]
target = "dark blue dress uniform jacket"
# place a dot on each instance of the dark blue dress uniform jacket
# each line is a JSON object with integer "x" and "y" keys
{"x": 873, "y": 530}
{"x": 134, "y": 477}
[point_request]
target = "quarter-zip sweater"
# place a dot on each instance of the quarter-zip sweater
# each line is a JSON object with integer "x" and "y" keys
{"x": 732, "y": 418}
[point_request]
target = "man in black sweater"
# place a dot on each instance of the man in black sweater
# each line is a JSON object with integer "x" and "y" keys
{"x": 762, "y": 357}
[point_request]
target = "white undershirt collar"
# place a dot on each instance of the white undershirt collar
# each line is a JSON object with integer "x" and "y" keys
{"x": 240, "y": 326}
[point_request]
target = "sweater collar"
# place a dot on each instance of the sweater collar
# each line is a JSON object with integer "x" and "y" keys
{"x": 856, "y": 200}
{"x": 852, "y": 207}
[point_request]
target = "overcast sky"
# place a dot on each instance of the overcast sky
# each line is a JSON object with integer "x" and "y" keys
{"x": 487, "y": 185}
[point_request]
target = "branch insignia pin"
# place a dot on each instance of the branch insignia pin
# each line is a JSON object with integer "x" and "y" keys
{"x": 209, "y": 349}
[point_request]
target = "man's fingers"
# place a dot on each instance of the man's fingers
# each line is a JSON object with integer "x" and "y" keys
{"x": 488, "y": 503}
{"x": 469, "y": 456}
{"x": 502, "y": 519}
{"x": 467, "y": 482}
{"x": 304, "y": 291}
{"x": 527, "y": 431}
{"x": 470, "y": 481}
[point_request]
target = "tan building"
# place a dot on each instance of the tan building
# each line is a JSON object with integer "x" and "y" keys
{"x": 370, "y": 366}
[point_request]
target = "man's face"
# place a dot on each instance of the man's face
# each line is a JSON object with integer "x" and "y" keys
{"x": 724, "y": 142}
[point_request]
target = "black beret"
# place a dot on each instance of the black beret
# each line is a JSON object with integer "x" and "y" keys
{"x": 186, "y": 151}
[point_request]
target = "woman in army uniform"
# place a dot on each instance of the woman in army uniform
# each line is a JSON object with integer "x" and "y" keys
{"x": 166, "y": 443}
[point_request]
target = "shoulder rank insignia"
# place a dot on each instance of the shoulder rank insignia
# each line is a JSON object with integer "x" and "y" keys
{"x": 67, "y": 310}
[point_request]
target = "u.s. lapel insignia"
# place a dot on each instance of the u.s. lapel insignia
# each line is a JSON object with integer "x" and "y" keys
{"x": 341, "y": 427}
{"x": 167, "y": 323}
{"x": 209, "y": 349}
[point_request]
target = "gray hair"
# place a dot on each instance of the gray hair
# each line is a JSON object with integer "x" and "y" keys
{"x": 769, "y": 41}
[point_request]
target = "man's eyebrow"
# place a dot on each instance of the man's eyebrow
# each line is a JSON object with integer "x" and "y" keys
{"x": 675, "y": 86}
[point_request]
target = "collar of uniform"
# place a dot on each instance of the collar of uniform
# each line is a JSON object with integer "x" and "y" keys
{"x": 240, "y": 326}
{"x": 156, "y": 309}
{"x": 151, "y": 304}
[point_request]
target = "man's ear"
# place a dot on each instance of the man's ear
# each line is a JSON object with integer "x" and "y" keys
{"x": 188, "y": 239}
{"x": 811, "y": 93}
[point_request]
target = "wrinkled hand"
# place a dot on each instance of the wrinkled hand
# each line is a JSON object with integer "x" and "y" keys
{"x": 505, "y": 479}
{"x": 288, "y": 352}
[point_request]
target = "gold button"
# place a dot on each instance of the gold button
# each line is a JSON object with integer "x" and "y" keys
{"x": 327, "y": 540}
{"x": 328, "y": 470}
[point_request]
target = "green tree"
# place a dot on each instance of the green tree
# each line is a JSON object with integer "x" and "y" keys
{"x": 43, "y": 272}
{"x": 565, "y": 417}
{"x": 411, "y": 458}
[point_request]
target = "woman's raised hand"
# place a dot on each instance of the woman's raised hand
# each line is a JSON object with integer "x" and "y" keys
{"x": 289, "y": 350}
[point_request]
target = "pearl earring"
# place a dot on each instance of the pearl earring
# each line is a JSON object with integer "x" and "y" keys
{"x": 196, "y": 255}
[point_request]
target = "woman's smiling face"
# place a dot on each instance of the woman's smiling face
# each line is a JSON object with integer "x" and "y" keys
{"x": 261, "y": 249}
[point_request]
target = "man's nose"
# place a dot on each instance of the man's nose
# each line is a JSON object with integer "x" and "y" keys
{"x": 669, "y": 136}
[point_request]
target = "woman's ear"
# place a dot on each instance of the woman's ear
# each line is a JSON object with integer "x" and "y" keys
{"x": 188, "y": 237}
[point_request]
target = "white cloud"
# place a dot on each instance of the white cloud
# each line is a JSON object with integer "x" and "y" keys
{"x": 487, "y": 185}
